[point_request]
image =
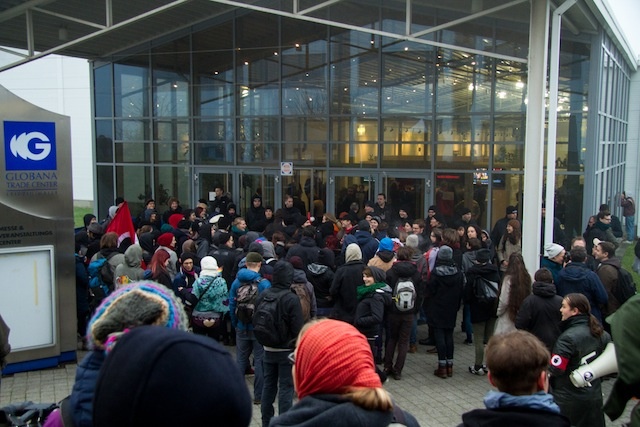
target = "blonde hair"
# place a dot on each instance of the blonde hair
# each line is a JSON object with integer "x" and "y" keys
{"x": 372, "y": 399}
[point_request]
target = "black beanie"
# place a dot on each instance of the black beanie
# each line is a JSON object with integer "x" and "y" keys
{"x": 156, "y": 376}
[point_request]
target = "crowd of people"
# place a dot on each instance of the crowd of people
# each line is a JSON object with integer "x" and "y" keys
{"x": 378, "y": 275}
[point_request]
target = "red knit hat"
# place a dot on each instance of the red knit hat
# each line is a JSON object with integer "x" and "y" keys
{"x": 174, "y": 219}
{"x": 165, "y": 239}
{"x": 333, "y": 357}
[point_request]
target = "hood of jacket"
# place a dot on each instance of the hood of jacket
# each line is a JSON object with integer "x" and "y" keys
{"x": 317, "y": 269}
{"x": 386, "y": 256}
{"x": 307, "y": 242}
{"x": 445, "y": 270}
{"x": 363, "y": 237}
{"x": 353, "y": 253}
{"x": 282, "y": 275}
{"x": 543, "y": 289}
{"x": 612, "y": 261}
{"x": 299, "y": 276}
{"x": 575, "y": 272}
{"x": 268, "y": 249}
{"x": 133, "y": 255}
{"x": 405, "y": 268}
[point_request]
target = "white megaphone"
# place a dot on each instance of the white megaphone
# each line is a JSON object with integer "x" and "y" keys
{"x": 605, "y": 364}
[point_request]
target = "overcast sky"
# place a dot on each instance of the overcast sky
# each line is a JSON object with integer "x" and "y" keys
{"x": 627, "y": 13}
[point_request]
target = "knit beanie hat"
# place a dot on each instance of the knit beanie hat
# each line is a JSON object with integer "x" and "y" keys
{"x": 331, "y": 358}
{"x": 353, "y": 252}
{"x": 386, "y": 244}
{"x": 174, "y": 219}
{"x": 552, "y": 250}
{"x": 326, "y": 257}
{"x": 297, "y": 263}
{"x": 165, "y": 239}
{"x": 166, "y": 228}
{"x": 152, "y": 367}
{"x": 209, "y": 267}
{"x": 412, "y": 240}
{"x": 141, "y": 303}
{"x": 445, "y": 253}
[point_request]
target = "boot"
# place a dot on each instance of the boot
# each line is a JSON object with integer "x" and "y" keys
{"x": 441, "y": 372}
{"x": 450, "y": 370}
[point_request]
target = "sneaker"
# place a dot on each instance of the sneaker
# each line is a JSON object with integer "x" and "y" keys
{"x": 478, "y": 370}
{"x": 396, "y": 376}
{"x": 468, "y": 342}
{"x": 432, "y": 350}
{"x": 413, "y": 348}
{"x": 257, "y": 401}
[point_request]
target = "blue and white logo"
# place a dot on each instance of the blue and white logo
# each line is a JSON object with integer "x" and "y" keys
{"x": 30, "y": 146}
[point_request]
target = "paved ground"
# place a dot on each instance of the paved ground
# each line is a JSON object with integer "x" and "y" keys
{"x": 433, "y": 401}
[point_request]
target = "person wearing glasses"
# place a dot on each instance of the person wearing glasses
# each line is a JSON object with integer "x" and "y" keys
{"x": 337, "y": 385}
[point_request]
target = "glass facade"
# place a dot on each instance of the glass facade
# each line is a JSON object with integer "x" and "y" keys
{"x": 236, "y": 97}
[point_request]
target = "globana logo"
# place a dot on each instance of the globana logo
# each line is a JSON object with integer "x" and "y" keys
{"x": 30, "y": 146}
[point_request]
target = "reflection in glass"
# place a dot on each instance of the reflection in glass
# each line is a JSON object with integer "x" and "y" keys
{"x": 210, "y": 153}
{"x": 353, "y": 189}
{"x": 308, "y": 189}
{"x": 131, "y": 89}
{"x": 172, "y": 152}
{"x": 457, "y": 190}
{"x": 405, "y": 193}
{"x": 266, "y": 153}
{"x": 134, "y": 184}
{"x": 103, "y": 91}
{"x": 462, "y": 156}
{"x": 132, "y": 130}
{"x": 104, "y": 141}
{"x": 353, "y": 154}
{"x": 508, "y": 156}
{"x": 172, "y": 181}
{"x": 258, "y": 129}
{"x": 506, "y": 190}
{"x": 356, "y": 129}
{"x": 463, "y": 128}
{"x": 305, "y": 129}
{"x": 403, "y": 155}
{"x": 214, "y": 130}
{"x": 305, "y": 153}
{"x": 133, "y": 152}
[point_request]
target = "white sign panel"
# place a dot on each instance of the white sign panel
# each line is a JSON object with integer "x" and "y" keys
{"x": 286, "y": 168}
{"x": 27, "y": 302}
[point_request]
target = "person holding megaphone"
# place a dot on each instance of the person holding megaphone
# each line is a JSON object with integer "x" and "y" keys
{"x": 582, "y": 340}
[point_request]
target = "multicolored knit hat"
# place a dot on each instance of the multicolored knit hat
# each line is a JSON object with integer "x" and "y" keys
{"x": 333, "y": 357}
{"x": 141, "y": 303}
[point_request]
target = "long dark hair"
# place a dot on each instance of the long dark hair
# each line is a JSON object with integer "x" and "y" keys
{"x": 157, "y": 263}
{"x": 581, "y": 302}
{"x": 516, "y": 235}
{"x": 520, "y": 281}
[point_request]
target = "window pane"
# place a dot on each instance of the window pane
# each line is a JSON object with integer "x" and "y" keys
{"x": 511, "y": 88}
{"x": 457, "y": 190}
{"x": 305, "y": 153}
{"x": 305, "y": 129}
{"x": 171, "y": 69}
{"x": 403, "y": 155}
{"x": 462, "y": 156}
{"x": 357, "y": 129}
{"x": 267, "y": 129}
{"x": 508, "y": 156}
{"x": 134, "y": 184}
{"x": 263, "y": 152}
{"x": 463, "y": 129}
{"x": 132, "y": 130}
{"x": 104, "y": 141}
{"x": 172, "y": 152}
{"x": 464, "y": 82}
{"x": 133, "y": 152}
{"x": 214, "y": 153}
{"x": 106, "y": 194}
{"x": 214, "y": 130}
{"x": 172, "y": 182}
{"x": 354, "y": 154}
{"x": 213, "y": 71}
{"x": 131, "y": 88}
{"x": 103, "y": 91}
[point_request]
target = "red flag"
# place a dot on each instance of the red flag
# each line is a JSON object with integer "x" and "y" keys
{"x": 123, "y": 225}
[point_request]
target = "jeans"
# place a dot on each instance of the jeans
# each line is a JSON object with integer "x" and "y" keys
{"x": 482, "y": 331}
{"x": 444, "y": 344}
{"x": 399, "y": 331}
{"x": 630, "y": 227}
{"x": 245, "y": 344}
{"x": 413, "y": 338}
{"x": 278, "y": 379}
{"x": 466, "y": 322}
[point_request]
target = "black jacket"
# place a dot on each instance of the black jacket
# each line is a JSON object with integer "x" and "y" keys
{"x": 540, "y": 313}
{"x": 306, "y": 249}
{"x": 444, "y": 293}
{"x": 480, "y": 311}
{"x": 343, "y": 290}
{"x": 370, "y": 311}
{"x": 401, "y": 269}
{"x": 321, "y": 277}
{"x": 513, "y": 416}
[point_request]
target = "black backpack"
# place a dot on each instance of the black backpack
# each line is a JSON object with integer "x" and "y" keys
{"x": 625, "y": 287}
{"x": 485, "y": 290}
{"x": 268, "y": 327}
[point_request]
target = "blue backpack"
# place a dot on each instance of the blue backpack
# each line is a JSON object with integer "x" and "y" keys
{"x": 100, "y": 279}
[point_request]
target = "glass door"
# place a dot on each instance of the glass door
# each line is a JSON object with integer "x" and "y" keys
{"x": 258, "y": 182}
{"x": 351, "y": 187}
{"x": 406, "y": 192}
{"x": 206, "y": 181}
{"x": 308, "y": 188}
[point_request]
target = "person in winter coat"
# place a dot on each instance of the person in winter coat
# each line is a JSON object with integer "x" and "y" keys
{"x": 582, "y": 341}
{"x": 444, "y": 293}
{"x": 554, "y": 259}
{"x": 307, "y": 249}
{"x": 345, "y": 282}
{"x": 336, "y": 382}
{"x": 134, "y": 305}
{"x": 212, "y": 293}
{"x": 607, "y": 271}
{"x": 256, "y": 219}
{"x": 384, "y": 257}
{"x": 246, "y": 341}
{"x": 518, "y": 364}
{"x": 321, "y": 275}
{"x": 516, "y": 286}
{"x": 158, "y": 268}
{"x": 368, "y": 244}
{"x": 130, "y": 270}
{"x": 510, "y": 243}
{"x": 540, "y": 311}
{"x": 483, "y": 313}
{"x": 374, "y": 299}
{"x": 187, "y": 275}
{"x": 109, "y": 250}
{"x": 400, "y": 322}
{"x": 576, "y": 277}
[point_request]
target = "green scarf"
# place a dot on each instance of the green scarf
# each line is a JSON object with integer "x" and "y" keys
{"x": 364, "y": 290}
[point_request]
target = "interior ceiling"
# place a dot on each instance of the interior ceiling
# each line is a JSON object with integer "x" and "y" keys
{"x": 93, "y": 29}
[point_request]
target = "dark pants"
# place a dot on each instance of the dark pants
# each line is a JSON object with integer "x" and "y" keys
{"x": 444, "y": 345}
{"x": 246, "y": 344}
{"x": 481, "y": 333}
{"x": 278, "y": 379}
{"x": 399, "y": 331}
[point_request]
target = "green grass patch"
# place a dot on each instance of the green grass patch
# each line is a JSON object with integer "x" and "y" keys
{"x": 78, "y": 215}
{"x": 627, "y": 262}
